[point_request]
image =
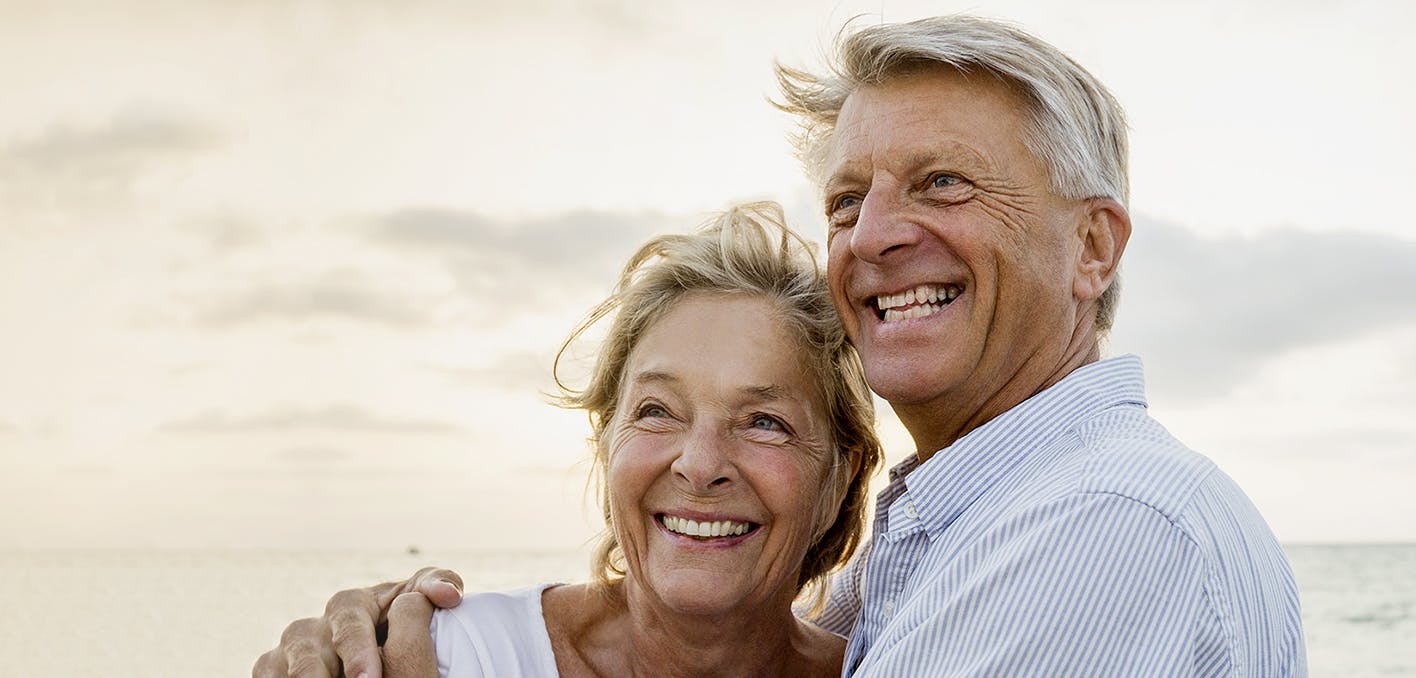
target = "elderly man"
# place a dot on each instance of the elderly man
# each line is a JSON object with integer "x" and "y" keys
{"x": 974, "y": 181}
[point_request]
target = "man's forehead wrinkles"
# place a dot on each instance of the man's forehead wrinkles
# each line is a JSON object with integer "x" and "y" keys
{"x": 948, "y": 155}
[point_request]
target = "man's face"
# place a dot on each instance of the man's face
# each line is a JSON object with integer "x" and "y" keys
{"x": 951, "y": 259}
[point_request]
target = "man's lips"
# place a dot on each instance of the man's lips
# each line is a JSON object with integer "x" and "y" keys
{"x": 917, "y": 302}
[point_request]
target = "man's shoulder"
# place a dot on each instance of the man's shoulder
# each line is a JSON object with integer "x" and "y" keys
{"x": 1127, "y": 453}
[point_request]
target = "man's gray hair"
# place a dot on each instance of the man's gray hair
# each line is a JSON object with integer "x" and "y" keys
{"x": 1073, "y": 125}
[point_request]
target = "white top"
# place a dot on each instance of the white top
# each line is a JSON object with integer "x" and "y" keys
{"x": 495, "y": 635}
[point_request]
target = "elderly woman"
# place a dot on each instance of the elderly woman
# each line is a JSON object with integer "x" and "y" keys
{"x": 733, "y": 436}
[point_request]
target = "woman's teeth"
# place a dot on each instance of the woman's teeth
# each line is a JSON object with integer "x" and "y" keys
{"x": 716, "y": 528}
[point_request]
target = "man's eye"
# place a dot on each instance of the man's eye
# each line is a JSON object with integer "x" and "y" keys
{"x": 944, "y": 181}
{"x": 844, "y": 202}
{"x": 652, "y": 412}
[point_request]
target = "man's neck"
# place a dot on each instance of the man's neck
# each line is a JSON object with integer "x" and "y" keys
{"x": 942, "y": 422}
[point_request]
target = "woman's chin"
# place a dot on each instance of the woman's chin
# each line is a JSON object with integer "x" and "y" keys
{"x": 696, "y": 593}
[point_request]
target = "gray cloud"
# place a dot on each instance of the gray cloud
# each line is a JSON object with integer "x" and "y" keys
{"x": 1206, "y": 313}
{"x": 518, "y": 372}
{"x": 341, "y": 295}
{"x": 515, "y": 262}
{"x": 339, "y": 418}
{"x": 226, "y": 233}
{"x": 96, "y": 166}
{"x": 314, "y": 455}
{"x": 126, "y": 138}
{"x": 1367, "y": 443}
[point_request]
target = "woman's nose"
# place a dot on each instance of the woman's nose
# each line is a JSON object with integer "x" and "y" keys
{"x": 703, "y": 464}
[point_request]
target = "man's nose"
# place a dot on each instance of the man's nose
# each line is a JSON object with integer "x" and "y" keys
{"x": 703, "y": 464}
{"x": 882, "y": 227}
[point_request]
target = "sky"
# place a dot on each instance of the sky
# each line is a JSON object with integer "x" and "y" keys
{"x": 290, "y": 275}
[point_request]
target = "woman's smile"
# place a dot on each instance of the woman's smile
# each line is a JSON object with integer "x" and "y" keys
{"x": 713, "y": 440}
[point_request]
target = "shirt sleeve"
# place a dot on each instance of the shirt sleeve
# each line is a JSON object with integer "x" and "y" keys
{"x": 1094, "y": 585}
{"x": 457, "y": 655}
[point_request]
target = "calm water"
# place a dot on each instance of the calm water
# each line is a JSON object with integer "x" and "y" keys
{"x": 211, "y": 614}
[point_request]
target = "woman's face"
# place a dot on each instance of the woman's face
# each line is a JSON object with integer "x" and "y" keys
{"x": 717, "y": 456}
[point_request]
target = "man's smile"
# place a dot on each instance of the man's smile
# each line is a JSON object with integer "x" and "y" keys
{"x": 916, "y": 302}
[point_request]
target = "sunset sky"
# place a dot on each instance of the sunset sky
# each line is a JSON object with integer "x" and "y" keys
{"x": 290, "y": 275}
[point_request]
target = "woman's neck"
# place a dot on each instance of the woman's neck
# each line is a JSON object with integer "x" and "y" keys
{"x": 630, "y": 633}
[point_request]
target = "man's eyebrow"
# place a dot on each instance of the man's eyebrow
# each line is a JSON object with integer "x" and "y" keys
{"x": 843, "y": 175}
{"x": 947, "y": 152}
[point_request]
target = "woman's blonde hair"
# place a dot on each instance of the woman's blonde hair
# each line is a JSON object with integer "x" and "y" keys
{"x": 745, "y": 250}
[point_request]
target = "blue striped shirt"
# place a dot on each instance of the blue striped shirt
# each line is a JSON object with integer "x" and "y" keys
{"x": 1069, "y": 536}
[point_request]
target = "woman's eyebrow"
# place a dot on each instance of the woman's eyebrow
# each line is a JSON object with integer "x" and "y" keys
{"x": 765, "y": 393}
{"x": 653, "y": 376}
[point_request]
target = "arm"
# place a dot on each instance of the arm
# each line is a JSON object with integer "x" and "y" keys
{"x": 345, "y": 641}
{"x": 1096, "y": 585}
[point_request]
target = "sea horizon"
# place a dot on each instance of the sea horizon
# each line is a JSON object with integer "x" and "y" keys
{"x": 209, "y": 612}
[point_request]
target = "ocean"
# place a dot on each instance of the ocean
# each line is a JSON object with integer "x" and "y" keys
{"x": 70, "y": 614}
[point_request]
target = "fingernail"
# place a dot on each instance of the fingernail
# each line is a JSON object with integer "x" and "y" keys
{"x": 453, "y": 586}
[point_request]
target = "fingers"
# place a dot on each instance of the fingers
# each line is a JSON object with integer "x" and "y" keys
{"x": 348, "y": 634}
{"x": 442, "y": 587}
{"x": 408, "y": 653}
{"x": 355, "y": 615}
{"x": 352, "y": 616}
{"x": 308, "y": 652}
{"x": 270, "y": 665}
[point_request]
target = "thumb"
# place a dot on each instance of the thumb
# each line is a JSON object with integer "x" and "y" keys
{"x": 408, "y": 652}
{"x": 442, "y": 587}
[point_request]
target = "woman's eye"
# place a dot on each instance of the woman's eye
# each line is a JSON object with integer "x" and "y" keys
{"x": 763, "y": 422}
{"x": 652, "y": 412}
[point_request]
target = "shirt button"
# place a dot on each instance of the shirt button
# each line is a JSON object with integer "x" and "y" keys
{"x": 911, "y": 512}
{"x": 888, "y": 607}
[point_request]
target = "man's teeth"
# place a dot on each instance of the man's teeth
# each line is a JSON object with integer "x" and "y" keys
{"x": 717, "y": 528}
{"x": 917, "y": 302}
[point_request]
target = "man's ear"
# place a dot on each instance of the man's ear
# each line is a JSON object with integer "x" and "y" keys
{"x": 1103, "y": 231}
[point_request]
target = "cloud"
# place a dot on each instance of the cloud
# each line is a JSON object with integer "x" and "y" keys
{"x": 517, "y": 372}
{"x": 537, "y": 260}
{"x": 1206, "y": 312}
{"x": 341, "y": 418}
{"x": 227, "y": 233}
{"x": 126, "y": 138}
{"x": 342, "y": 295}
{"x": 96, "y": 165}
{"x": 315, "y": 455}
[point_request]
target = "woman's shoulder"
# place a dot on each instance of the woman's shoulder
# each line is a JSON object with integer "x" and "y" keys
{"x": 585, "y": 623}
{"x": 496, "y": 633}
{"x": 493, "y": 611}
{"x": 494, "y": 604}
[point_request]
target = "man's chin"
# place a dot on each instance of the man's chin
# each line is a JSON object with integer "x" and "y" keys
{"x": 903, "y": 384}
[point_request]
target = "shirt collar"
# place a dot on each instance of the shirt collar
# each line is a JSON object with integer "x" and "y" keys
{"x": 956, "y": 476}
